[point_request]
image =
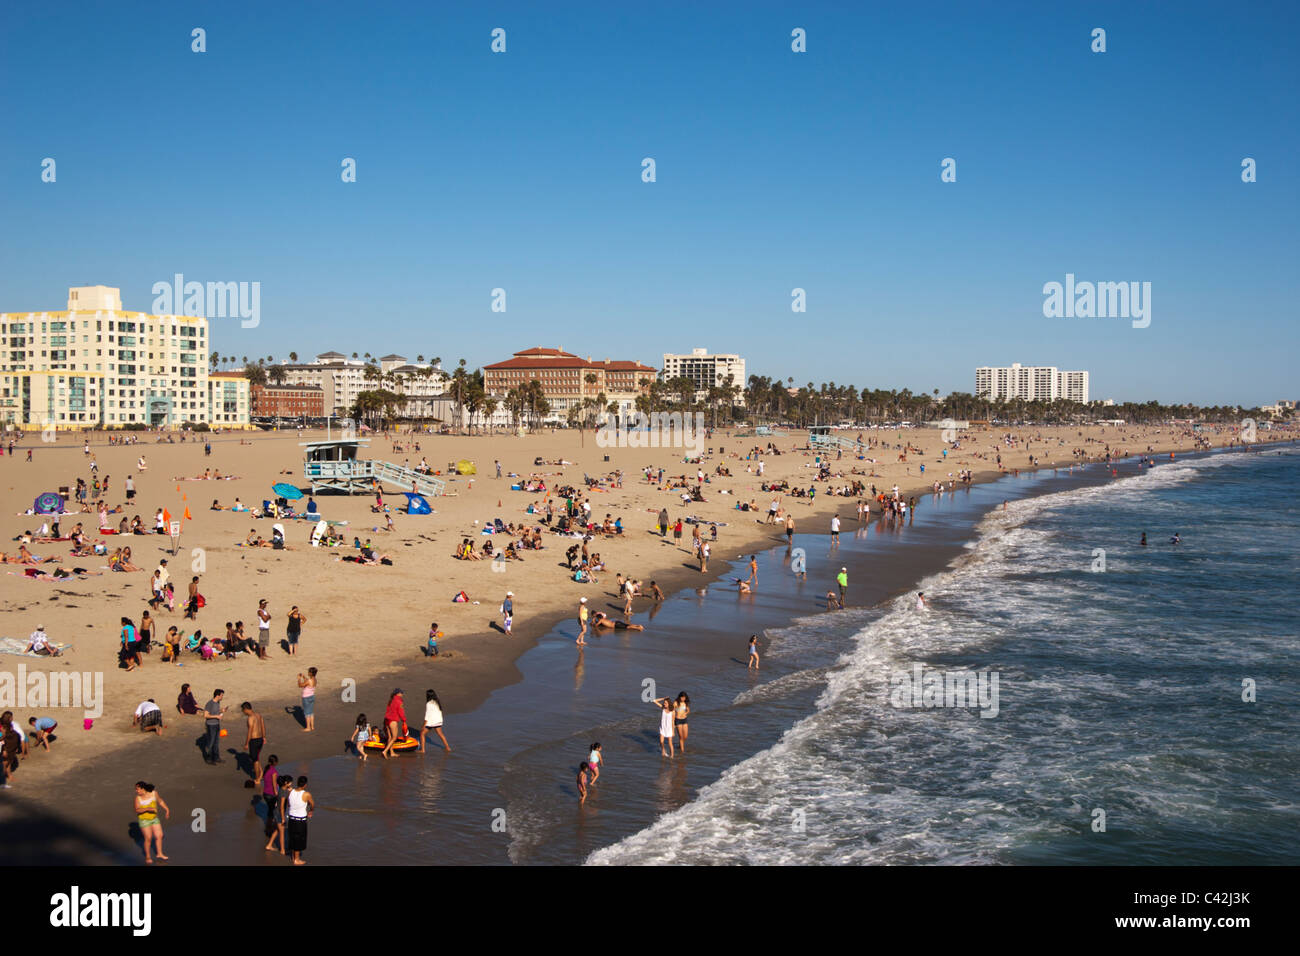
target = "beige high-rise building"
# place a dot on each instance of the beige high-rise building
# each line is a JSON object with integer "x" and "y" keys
{"x": 95, "y": 365}
{"x": 706, "y": 371}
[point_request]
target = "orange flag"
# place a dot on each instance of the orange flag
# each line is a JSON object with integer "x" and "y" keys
{"x": 188, "y": 517}
{"x": 167, "y": 515}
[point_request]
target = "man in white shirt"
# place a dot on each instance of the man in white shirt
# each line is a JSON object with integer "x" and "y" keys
{"x": 149, "y": 716}
{"x": 263, "y": 629}
{"x": 38, "y": 643}
{"x": 835, "y": 529}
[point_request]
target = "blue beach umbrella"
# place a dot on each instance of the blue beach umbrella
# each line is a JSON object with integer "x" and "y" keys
{"x": 285, "y": 490}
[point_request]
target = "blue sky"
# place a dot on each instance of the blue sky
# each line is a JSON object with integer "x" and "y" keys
{"x": 775, "y": 170}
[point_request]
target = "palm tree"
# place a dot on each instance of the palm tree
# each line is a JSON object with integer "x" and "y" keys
{"x": 293, "y": 356}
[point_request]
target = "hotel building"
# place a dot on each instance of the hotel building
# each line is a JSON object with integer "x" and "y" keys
{"x": 94, "y": 365}
{"x": 1033, "y": 383}
{"x": 563, "y": 377}
{"x": 706, "y": 371}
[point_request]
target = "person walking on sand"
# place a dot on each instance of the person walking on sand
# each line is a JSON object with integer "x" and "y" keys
{"x": 704, "y": 557}
{"x": 508, "y": 612}
{"x": 148, "y": 801}
{"x": 299, "y": 808}
{"x": 308, "y": 685}
{"x": 665, "y": 705}
{"x": 663, "y": 522}
{"x": 254, "y": 739}
{"x": 394, "y": 720}
{"x": 753, "y": 652}
{"x": 584, "y": 615}
{"x": 432, "y": 719}
{"x": 677, "y": 534}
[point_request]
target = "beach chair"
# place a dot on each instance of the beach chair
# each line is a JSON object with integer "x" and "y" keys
{"x": 499, "y": 524}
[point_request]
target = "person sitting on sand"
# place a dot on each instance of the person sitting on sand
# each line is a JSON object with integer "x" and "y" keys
{"x": 39, "y": 643}
{"x": 238, "y": 506}
{"x": 26, "y": 557}
{"x": 216, "y": 506}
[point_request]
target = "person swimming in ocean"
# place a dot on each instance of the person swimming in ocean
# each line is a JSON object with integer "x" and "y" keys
{"x": 1176, "y": 539}
{"x": 1143, "y": 542}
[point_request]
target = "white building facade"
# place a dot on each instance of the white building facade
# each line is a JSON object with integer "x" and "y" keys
{"x": 1033, "y": 383}
{"x": 706, "y": 370}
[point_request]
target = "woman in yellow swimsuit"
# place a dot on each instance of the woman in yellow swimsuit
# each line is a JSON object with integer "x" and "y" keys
{"x": 147, "y": 804}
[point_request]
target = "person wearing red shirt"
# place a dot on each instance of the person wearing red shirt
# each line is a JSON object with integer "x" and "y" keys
{"x": 395, "y": 719}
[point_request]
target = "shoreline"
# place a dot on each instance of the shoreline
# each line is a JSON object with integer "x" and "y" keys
{"x": 478, "y": 676}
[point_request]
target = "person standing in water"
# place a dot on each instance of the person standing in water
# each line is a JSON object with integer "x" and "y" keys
{"x": 299, "y": 807}
{"x": 842, "y": 579}
{"x": 433, "y": 719}
{"x": 681, "y": 711}
{"x": 583, "y": 616}
{"x": 753, "y": 652}
{"x": 665, "y": 705}
{"x": 148, "y": 801}
{"x": 394, "y": 721}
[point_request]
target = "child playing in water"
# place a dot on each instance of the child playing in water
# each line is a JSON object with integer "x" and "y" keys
{"x": 360, "y": 735}
{"x": 753, "y": 652}
{"x": 583, "y": 768}
{"x": 594, "y": 760}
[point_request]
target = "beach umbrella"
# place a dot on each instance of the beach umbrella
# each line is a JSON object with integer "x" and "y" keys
{"x": 285, "y": 490}
{"x": 466, "y": 467}
{"x": 50, "y": 503}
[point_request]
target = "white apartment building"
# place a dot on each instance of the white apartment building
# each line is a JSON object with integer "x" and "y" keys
{"x": 705, "y": 370}
{"x": 94, "y": 365}
{"x": 342, "y": 379}
{"x": 1033, "y": 383}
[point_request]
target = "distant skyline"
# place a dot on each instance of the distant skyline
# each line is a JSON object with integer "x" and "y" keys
{"x": 775, "y": 170}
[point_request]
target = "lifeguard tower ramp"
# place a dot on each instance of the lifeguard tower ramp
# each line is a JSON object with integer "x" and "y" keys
{"x": 334, "y": 465}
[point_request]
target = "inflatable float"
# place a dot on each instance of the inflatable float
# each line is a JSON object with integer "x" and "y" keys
{"x": 405, "y": 744}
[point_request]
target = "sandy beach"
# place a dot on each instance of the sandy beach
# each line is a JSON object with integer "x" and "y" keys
{"x": 365, "y": 625}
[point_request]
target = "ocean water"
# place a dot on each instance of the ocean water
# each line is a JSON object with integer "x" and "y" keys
{"x": 1147, "y": 705}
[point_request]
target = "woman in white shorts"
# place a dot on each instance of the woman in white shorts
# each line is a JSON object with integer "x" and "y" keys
{"x": 432, "y": 719}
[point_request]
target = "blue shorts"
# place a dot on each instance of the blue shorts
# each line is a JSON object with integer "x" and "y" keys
{"x": 308, "y": 703}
